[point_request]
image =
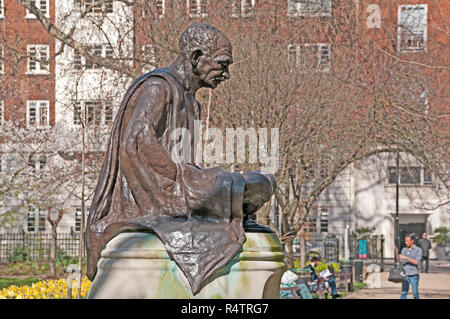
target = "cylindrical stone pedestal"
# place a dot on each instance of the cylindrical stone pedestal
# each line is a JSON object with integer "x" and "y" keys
{"x": 136, "y": 265}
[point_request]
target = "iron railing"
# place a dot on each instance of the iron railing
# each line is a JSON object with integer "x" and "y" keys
{"x": 36, "y": 246}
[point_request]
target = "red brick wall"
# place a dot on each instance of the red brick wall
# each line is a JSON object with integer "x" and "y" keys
{"x": 18, "y": 87}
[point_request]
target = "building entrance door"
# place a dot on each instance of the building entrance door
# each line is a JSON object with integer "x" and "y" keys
{"x": 405, "y": 229}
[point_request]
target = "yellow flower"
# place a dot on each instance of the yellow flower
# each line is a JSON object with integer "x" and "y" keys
{"x": 45, "y": 289}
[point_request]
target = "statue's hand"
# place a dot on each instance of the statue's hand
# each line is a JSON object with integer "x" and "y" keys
{"x": 271, "y": 178}
{"x": 259, "y": 187}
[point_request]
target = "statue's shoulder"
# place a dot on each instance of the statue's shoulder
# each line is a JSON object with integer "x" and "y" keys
{"x": 161, "y": 81}
{"x": 162, "y": 75}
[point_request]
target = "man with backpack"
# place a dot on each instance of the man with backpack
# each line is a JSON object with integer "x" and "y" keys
{"x": 410, "y": 257}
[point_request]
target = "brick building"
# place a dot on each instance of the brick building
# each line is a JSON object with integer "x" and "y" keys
{"x": 28, "y": 80}
{"x": 43, "y": 90}
{"x": 27, "y": 76}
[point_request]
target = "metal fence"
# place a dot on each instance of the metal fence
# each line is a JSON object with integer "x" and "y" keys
{"x": 370, "y": 249}
{"x": 36, "y": 246}
{"x": 326, "y": 246}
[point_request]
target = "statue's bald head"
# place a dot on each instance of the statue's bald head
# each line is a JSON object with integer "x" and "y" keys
{"x": 205, "y": 55}
{"x": 204, "y": 37}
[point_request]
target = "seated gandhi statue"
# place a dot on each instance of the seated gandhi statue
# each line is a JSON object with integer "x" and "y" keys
{"x": 197, "y": 213}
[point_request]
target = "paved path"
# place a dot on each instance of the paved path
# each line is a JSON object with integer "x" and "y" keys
{"x": 431, "y": 286}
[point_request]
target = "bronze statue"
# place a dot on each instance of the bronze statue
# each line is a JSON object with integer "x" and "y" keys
{"x": 197, "y": 213}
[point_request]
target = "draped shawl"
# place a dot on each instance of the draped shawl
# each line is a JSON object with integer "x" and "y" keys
{"x": 196, "y": 213}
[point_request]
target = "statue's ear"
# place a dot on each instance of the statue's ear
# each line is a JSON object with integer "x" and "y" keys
{"x": 195, "y": 56}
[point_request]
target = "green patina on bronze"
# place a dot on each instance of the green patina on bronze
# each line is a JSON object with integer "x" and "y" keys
{"x": 265, "y": 242}
{"x": 169, "y": 284}
{"x": 236, "y": 278}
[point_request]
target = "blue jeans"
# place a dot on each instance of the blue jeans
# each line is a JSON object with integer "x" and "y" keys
{"x": 414, "y": 282}
{"x": 314, "y": 286}
{"x": 332, "y": 283}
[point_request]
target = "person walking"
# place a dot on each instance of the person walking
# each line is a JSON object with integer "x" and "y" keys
{"x": 425, "y": 244}
{"x": 410, "y": 258}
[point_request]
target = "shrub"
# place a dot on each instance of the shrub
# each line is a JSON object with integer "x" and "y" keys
{"x": 19, "y": 254}
{"x": 6, "y": 282}
{"x": 439, "y": 235}
{"x": 63, "y": 260}
{"x": 362, "y": 233}
{"x": 324, "y": 265}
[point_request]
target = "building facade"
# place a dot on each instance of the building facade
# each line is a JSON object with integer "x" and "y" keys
{"x": 46, "y": 82}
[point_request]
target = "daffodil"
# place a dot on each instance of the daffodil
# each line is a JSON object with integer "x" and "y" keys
{"x": 45, "y": 289}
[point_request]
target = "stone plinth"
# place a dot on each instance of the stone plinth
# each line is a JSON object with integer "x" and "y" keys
{"x": 136, "y": 265}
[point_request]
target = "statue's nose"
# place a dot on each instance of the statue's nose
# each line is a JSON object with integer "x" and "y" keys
{"x": 226, "y": 75}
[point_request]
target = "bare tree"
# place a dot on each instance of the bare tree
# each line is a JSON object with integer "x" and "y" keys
{"x": 336, "y": 94}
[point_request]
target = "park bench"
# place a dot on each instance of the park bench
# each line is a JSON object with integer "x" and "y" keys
{"x": 298, "y": 291}
{"x": 305, "y": 276}
{"x": 344, "y": 281}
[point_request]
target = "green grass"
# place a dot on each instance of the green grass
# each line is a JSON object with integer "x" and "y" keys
{"x": 356, "y": 286}
{"x": 6, "y": 282}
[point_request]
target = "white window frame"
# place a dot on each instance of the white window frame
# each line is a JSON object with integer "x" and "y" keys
{"x": 30, "y": 223}
{"x": 311, "y": 225}
{"x": 39, "y": 68}
{"x": 77, "y": 226}
{"x": 81, "y": 5}
{"x": 426, "y": 101}
{"x": 422, "y": 100}
{"x": 78, "y": 217}
{"x": 2, "y": 59}
{"x": 422, "y": 180}
{"x": 37, "y": 162}
{"x": 298, "y": 51}
{"x": 161, "y": 3}
{"x": 239, "y": 8}
{"x": 2, "y": 9}
{"x": 148, "y": 54}
{"x": 38, "y": 104}
{"x": 107, "y": 52}
{"x": 201, "y": 10}
{"x": 39, "y": 217}
{"x": 29, "y": 15}
{"x": 324, "y": 212}
{"x": 425, "y": 181}
{"x": 296, "y": 8}
{"x": 155, "y": 4}
{"x": 2, "y": 112}
{"x": 104, "y": 108}
{"x": 401, "y": 31}
{"x": 319, "y": 56}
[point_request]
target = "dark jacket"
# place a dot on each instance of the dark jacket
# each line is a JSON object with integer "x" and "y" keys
{"x": 425, "y": 244}
{"x": 314, "y": 275}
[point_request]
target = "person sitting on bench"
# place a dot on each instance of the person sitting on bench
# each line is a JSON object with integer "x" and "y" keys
{"x": 318, "y": 282}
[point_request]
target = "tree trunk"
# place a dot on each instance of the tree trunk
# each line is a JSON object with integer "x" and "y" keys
{"x": 53, "y": 251}
{"x": 289, "y": 254}
{"x": 302, "y": 251}
{"x": 83, "y": 208}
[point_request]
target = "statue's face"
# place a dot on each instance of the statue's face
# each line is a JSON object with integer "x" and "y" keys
{"x": 213, "y": 70}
